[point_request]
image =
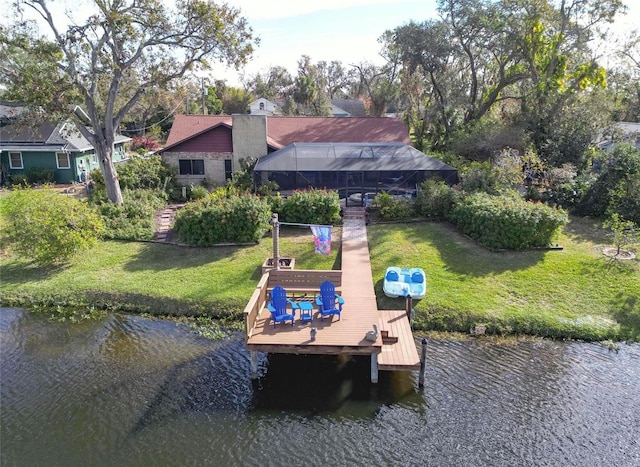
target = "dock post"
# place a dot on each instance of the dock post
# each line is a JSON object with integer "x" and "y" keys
{"x": 276, "y": 240}
{"x": 254, "y": 364}
{"x": 423, "y": 360}
{"x": 374, "y": 368}
{"x": 408, "y": 306}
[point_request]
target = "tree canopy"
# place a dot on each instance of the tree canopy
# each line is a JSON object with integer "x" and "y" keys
{"x": 104, "y": 65}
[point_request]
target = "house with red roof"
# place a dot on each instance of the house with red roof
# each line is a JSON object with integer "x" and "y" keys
{"x": 209, "y": 147}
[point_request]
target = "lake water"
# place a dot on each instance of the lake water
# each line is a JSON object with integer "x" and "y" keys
{"x": 131, "y": 391}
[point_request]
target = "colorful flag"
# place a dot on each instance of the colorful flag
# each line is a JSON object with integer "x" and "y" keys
{"x": 322, "y": 238}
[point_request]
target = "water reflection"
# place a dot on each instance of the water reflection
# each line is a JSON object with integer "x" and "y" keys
{"x": 132, "y": 391}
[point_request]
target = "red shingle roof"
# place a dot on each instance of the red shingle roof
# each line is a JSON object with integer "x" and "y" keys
{"x": 188, "y": 126}
{"x": 282, "y": 131}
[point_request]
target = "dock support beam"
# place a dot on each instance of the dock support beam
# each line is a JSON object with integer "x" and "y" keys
{"x": 374, "y": 368}
{"x": 423, "y": 362}
{"x": 254, "y": 364}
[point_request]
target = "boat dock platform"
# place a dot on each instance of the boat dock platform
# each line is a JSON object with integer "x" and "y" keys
{"x": 394, "y": 347}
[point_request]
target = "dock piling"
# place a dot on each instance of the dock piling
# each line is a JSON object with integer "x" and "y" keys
{"x": 374, "y": 368}
{"x": 254, "y": 364}
{"x": 423, "y": 360}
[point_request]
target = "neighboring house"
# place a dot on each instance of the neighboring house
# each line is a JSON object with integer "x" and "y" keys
{"x": 621, "y": 132}
{"x": 347, "y": 108}
{"x": 60, "y": 148}
{"x": 209, "y": 147}
{"x": 264, "y": 106}
{"x": 339, "y": 107}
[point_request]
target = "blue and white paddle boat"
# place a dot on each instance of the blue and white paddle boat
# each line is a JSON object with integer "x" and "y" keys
{"x": 403, "y": 282}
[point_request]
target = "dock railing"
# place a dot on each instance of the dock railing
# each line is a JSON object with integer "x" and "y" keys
{"x": 294, "y": 281}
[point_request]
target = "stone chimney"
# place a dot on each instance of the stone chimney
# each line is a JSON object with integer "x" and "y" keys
{"x": 249, "y": 137}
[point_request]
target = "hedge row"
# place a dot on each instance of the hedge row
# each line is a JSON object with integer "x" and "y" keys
{"x": 507, "y": 222}
{"x": 222, "y": 217}
{"x": 309, "y": 207}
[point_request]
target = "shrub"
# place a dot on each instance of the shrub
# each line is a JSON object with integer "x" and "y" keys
{"x": 140, "y": 172}
{"x": 481, "y": 177}
{"x": 135, "y": 219}
{"x": 198, "y": 192}
{"x": 507, "y": 221}
{"x": 617, "y": 189}
{"x": 566, "y": 188}
{"x": 393, "y": 208}
{"x": 144, "y": 143}
{"x": 223, "y": 217}
{"x": 311, "y": 207}
{"x": 18, "y": 180}
{"x": 48, "y": 227}
{"x": 622, "y": 231}
{"x": 38, "y": 175}
{"x": 435, "y": 199}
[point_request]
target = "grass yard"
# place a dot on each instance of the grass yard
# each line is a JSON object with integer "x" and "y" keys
{"x": 571, "y": 293}
{"x": 157, "y": 278}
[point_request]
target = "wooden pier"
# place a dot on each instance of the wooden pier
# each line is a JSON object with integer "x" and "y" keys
{"x": 395, "y": 351}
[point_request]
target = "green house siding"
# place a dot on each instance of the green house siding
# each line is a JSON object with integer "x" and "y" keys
{"x": 48, "y": 160}
{"x": 39, "y": 160}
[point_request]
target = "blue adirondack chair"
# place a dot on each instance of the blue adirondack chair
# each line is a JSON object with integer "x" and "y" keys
{"x": 278, "y": 306}
{"x": 329, "y": 302}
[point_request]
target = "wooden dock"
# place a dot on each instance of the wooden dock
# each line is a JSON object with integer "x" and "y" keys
{"x": 397, "y": 351}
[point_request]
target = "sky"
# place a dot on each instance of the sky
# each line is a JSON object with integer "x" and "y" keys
{"x": 325, "y": 30}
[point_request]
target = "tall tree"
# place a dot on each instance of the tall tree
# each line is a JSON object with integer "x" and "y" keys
{"x": 126, "y": 41}
{"x": 274, "y": 84}
{"x": 310, "y": 89}
{"x": 335, "y": 77}
{"x": 562, "y": 73}
{"x": 481, "y": 54}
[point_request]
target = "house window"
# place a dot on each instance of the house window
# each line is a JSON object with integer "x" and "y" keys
{"x": 261, "y": 105}
{"x": 94, "y": 159}
{"x": 228, "y": 169}
{"x": 62, "y": 160}
{"x": 191, "y": 166}
{"x": 15, "y": 160}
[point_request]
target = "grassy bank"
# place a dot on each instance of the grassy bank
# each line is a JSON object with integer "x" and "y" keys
{"x": 575, "y": 292}
{"x": 572, "y": 293}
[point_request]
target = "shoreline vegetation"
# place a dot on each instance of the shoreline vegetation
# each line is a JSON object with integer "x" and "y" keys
{"x": 571, "y": 293}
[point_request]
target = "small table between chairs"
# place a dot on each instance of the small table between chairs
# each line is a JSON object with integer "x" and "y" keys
{"x": 306, "y": 311}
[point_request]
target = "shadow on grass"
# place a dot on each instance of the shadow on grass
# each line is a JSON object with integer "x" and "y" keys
{"x": 460, "y": 254}
{"x": 161, "y": 257}
{"x": 585, "y": 229}
{"x": 23, "y": 272}
{"x": 626, "y": 311}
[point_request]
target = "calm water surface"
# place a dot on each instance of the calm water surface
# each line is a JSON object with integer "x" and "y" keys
{"x": 129, "y": 391}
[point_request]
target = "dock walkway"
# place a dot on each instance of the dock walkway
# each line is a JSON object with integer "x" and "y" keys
{"x": 344, "y": 336}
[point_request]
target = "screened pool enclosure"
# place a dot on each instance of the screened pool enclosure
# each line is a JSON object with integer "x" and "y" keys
{"x": 356, "y": 170}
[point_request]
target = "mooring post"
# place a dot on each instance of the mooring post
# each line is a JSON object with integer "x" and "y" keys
{"x": 254, "y": 364}
{"x": 374, "y": 368}
{"x": 408, "y": 306}
{"x": 276, "y": 240}
{"x": 423, "y": 360}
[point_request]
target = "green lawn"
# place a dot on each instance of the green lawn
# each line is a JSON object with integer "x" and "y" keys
{"x": 575, "y": 292}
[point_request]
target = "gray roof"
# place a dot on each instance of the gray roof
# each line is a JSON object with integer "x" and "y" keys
{"x": 46, "y": 137}
{"x": 303, "y": 157}
{"x": 354, "y": 107}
